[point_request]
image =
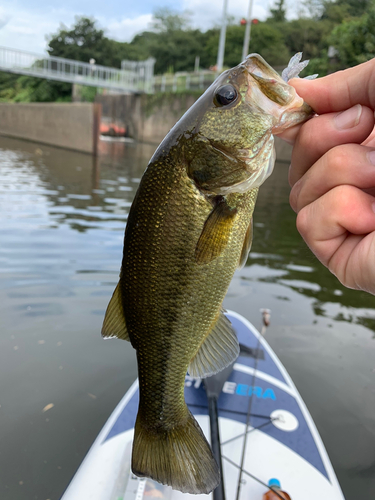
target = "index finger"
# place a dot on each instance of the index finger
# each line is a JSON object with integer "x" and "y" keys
{"x": 340, "y": 90}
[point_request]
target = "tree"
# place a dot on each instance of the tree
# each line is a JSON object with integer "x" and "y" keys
{"x": 311, "y": 9}
{"x": 355, "y": 40}
{"x": 85, "y": 41}
{"x": 14, "y": 88}
{"x": 335, "y": 13}
{"x": 171, "y": 42}
{"x": 165, "y": 20}
{"x": 266, "y": 40}
{"x": 278, "y": 13}
{"x": 307, "y": 36}
{"x": 356, "y": 8}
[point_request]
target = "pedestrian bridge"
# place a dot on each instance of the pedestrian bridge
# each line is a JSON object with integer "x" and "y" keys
{"x": 133, "y": 77}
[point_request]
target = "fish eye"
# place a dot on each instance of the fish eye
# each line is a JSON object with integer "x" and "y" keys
{"x": 225, "y": 95}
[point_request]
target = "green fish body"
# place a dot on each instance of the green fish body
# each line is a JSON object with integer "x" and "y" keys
{"x": 189, "y": 228}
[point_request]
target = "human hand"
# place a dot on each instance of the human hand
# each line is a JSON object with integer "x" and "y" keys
{"x": 332, "y": 173}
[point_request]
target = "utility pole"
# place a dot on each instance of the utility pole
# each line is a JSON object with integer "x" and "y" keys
{"x": 246, "y": 40}
{"x": 220, "y": 53}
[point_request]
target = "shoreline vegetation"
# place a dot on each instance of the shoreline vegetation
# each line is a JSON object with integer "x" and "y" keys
{"x": 333, "y": 34}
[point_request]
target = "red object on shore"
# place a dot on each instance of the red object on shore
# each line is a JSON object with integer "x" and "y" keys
{"x": 112, "y": 129}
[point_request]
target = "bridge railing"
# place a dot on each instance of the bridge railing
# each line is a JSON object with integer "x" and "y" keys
{"x": 180, "y": 81}
{"x": 130, "y": 78}
{"x": 134, "y": 76}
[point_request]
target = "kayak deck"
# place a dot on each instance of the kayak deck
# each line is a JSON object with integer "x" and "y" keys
{"x": 282, "y": 440}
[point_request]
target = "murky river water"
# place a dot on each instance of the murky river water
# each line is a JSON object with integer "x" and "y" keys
{"x": 61, "y": 231}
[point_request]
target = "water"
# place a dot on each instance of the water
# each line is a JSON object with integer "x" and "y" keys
{"x": 62, "y": 221}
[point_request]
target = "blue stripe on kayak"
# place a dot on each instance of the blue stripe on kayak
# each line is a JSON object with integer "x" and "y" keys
{"x": 126, "y": 419}
{"x": 266, "y": 398}
{"x": 234, "y": 406}
{"x": 233, "y": 402}
{"x": 267, "y": 364}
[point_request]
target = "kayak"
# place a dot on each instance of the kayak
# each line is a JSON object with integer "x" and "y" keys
{"x": 265, "y": 432}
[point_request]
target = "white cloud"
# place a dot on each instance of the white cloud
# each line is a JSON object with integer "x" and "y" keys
{"x": 4, "y": 17}
{"x": 27, "y": 29}
{"x": 208, "y": 14}
{"x": 204, "y": 15}
{"x": 125, "y": 29}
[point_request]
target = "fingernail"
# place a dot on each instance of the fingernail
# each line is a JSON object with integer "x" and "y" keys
{"x": 371, "y": 157}
{"x": 348, "y": 118}
{"x": 293, "y": 197}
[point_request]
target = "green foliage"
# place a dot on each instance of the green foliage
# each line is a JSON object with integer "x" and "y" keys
{"x": 355, "y": 40}
{"x": 172, "y": 42}
{"x": 311, "y": 9}
{"x": 336, "y": 13}
{"x": 355, "y": 8}
{"x": 278, "y": 13}
{"x": 85, "y": 41}
{"x": 177, "y": 51}
{"x": 88, "y": 93}
{"x": 265, "y": 39}
{"x": 166, "y": 20}
{"x": 14, "y": 88}
{"x": 348, "y": 25}
{"x": 307, "y": 36}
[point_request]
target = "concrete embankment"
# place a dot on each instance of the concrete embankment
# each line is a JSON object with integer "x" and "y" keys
{"x": 66, "y": 125}
{"x": 76, "y": 126}
{"x": 148, "y": 118}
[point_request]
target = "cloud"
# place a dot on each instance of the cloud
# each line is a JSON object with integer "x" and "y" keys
{"x": 4, "y": 17}
{"x": 203, "y": 15}
{"x": 26, "y": 29}
{"x": 127, "y": 28}
{"x": 210, "y": 13}
{"x": 25, "y": 26}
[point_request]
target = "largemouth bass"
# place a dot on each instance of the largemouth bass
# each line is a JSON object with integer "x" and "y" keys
{"x": 189, "y": 228}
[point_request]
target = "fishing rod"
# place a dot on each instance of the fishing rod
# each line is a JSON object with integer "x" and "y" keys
{"x": 266, "y": 315}
{"x": 213, "y": 386}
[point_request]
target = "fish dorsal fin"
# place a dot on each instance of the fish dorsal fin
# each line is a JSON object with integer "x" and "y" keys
{"x": 114, "y": 325}
{"x": 246, "y": 245}
{"x": 215, "y": 233}
{"x": 218, "y": 350}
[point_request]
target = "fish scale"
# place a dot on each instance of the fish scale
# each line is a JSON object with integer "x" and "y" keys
{"x": 188, "y": 230}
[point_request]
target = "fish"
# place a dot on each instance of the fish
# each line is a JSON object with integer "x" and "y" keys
{"x": 189, "y": 228}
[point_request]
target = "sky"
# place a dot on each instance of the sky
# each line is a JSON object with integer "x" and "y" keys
{"x": 25, "y": 24}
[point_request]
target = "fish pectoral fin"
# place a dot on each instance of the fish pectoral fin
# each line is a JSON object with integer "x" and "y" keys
{"x": 114, "y": 325}
{"x": 218, "y": 350}
{"x": 216, "y": 233}
{"x": 246, "y": 245}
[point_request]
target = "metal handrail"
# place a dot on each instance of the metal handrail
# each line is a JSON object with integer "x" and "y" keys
{"x": 132, "y": 77}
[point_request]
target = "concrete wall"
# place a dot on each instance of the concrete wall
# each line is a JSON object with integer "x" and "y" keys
{"x": 66, "y": 125}
{"x": 148, "y": 118}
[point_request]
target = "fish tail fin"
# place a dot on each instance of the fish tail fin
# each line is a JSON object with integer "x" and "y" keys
{"x": 180, "y": 457}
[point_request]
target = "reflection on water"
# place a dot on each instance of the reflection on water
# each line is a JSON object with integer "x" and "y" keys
{"x": 62, "y": 222}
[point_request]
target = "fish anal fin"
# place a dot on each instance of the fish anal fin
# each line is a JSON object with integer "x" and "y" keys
{"x": 215, "y": 233}
{"x": 246, "y": 245}
{"x": 218, "y": 350}
{"x": 114, "y": 325}
{"x": 179, "y": 456}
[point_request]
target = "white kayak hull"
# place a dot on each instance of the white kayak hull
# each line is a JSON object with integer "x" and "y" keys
{"x": 282, "y": 442}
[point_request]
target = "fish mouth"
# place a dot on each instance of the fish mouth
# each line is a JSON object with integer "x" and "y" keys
{"x": 268, "y": 92}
